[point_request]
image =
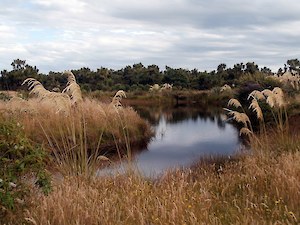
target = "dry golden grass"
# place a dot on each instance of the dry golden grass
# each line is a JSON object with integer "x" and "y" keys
{"x": 240, "y": 117}
{"x": 73, "y": 89}
{"x": 94, "y": 128}
{"x": 257, "y": 189}
{"x": 116, "y": 101}
{"x": 234, "y": 102}
{"x": 256, "y": 108}
{"x": 58, "y": 101}
{"x": 257, "y": 95}
{"x": 225, "y": 87}
{"x": 74, "y": 130}
{"x": 290, "y": 79}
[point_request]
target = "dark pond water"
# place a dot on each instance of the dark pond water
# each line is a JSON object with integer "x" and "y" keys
{"x": 182, "y": 136}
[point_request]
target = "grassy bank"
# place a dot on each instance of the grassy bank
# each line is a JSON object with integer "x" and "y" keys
{"x": 54, "y": 133}
{"x": 259, "y": 189}
{"x": 171, "y": 97}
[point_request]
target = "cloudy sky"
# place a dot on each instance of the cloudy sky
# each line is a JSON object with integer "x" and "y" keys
{"x": 55, "y": 35}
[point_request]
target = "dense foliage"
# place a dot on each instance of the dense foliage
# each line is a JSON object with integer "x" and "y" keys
{"x": 19, "y": 158}
{"x": 140, "y": 77}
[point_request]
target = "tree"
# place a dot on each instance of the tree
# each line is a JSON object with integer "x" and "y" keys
{"x": 266, "y": 71}
{"x": 12, "y": 80}
{"x": 251, "y": 67}
{"x": 221, "y": 68}
{"x": 294, "y": 65}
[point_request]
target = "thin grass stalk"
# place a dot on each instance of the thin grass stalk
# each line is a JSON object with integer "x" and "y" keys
{"x": 126, "y": 137}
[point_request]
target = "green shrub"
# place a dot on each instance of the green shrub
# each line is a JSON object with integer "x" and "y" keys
{"x": 19, "y": 158}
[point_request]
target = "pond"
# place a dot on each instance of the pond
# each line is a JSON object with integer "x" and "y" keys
{"x": 182, "y": 136}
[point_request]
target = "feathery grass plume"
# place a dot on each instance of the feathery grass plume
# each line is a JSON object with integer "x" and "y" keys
{"x": 271, "y": 101}
{"x": 154, "y": 87}
{"x": 73, "y": 89}
{"x": 289, "y": 78}
{"x": 225, "y": 87}
{"x": 256, "y": 94}
{"x": 166, "y": 87}
{"x": 270, "y": 97}
{"x": 61, "y": 101}
{"x": 279, "y": 97}
{"x": 36, "y": 88}
{"x": 116, "y": 101}
{"x": 278, "y": 91}
{"x": 256, "y": 108}
{"x": 267, "y": 92}
{"x": 240, "y": 117}
{"x": 234, "y": 102}
{"x": 295, "y": 84}
{"x": 245, "y": 131}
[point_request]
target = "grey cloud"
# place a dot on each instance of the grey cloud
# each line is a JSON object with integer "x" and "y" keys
{"x": 179, "y": 33}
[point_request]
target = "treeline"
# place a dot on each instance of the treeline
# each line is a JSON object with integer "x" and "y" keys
{"x": 140, "y": 77}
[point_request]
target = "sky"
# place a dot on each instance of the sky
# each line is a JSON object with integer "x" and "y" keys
{"x": 58, "y": 35}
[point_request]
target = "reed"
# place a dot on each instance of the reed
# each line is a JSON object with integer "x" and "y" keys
{"x": 76, "y": 132}
{"x": 73, "y": 89}
{"x": 250, "y": 190}
{"x": 276, "y": 101}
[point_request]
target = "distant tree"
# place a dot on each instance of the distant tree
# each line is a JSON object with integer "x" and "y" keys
{"x": 221, "y": 68}
{"x": 251, "y": 68}
{"x": 12, "y": 80}
{"x": 155, "y": 75}
{"x": 293, "y": 65}
{"x": 18, "y": 64}
{"x": 280, "y": 71}
{"x": 236, "y": 72}
{"x": 177, "y": 77}
{"x": 266, "y": 71}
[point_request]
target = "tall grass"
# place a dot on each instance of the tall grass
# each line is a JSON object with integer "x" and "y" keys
{"x": 251, "y": 190}
{"x": 260, "y": 188}
{"x": 76, "y": 130}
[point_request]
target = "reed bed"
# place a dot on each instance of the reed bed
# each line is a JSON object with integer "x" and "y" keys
{"x": 98, "y": 117}
{"x": 74, "y": 130}
{"x": 259, "y": 188}
{"x": 250, "y": 190}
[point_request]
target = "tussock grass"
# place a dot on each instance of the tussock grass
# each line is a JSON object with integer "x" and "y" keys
{"x": 259, "y": 188}
{"x": 251, "y": 190}
{"x": 99, "y": 119}
{"x": 78, "y": 135}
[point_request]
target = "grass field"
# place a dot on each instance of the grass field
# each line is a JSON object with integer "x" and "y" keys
{"x": 259, "y": 187}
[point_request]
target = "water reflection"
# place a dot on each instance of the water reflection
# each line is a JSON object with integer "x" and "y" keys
{"x": 183, "y": 135}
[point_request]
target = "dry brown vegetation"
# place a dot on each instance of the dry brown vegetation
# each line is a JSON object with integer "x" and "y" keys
{"x": 75, "y": 130}
{"x": 260, "y": 189}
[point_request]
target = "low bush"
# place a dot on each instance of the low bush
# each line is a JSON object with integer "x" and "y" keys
{"x": 19, "y": 160}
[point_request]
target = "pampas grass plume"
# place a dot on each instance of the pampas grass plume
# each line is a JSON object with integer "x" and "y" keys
{"x": 245, "y": 131}
{"x": 116, "y": 101}
{"x": 234, "y": 102}
{"x": 257, "y": 95}
{"x": 240, "y": 117}
{"x": 256, "y": 108}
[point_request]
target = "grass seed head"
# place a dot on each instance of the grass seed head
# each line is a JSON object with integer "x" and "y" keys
{"x": 116, "y": 101}
{"x": 73, "y": 89}
{"x": 257, "y": 95}
{"x": 267, "y": 93}
{"x": 234, "y": 102}
{"x": 245, "y": 131}
{"x": 240, "y": 117}
{"x": 256, "y": 108}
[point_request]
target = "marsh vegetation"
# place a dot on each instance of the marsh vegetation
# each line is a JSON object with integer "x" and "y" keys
{"x": 54, "y": 143}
